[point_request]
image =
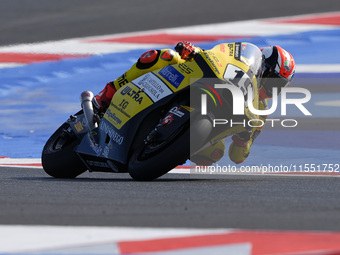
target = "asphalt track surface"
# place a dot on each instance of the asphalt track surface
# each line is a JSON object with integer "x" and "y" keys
{"x": 29, "y": 196}
{"x": 175, "y": 200}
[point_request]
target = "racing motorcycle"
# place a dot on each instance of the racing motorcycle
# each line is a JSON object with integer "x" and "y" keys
{"x": 156, "y": 122}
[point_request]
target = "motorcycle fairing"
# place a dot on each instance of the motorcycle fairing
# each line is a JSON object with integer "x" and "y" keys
{"x": 132, "y": 103}
{"x": 129, "y": 107}
{"x": 107, "y": 142}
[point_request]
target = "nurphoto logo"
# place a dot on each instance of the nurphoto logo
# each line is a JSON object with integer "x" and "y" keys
{"x": 243, "y": 99}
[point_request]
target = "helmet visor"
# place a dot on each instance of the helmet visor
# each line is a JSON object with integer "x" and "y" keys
{"x": 272, "y": 79}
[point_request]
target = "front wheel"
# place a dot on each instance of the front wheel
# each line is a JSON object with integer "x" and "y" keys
{"x": 58, "y": 157}
{"x": 150, "y": 161}
{"x": 142, "y": 168}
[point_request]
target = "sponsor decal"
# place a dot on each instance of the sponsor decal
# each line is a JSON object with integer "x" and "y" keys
{"x": 213, "y": 60}
{"x": 231, "y": 49}
{"x": 173, "y": 76}
{"x": 167, "y": 55}
{"x": 106, "y": 151}
{"x": 190, "y": 109}
{"x": 222, "y": 48}
{"x": 79, "y": 127}
{"x": 186, "y": 69}
{"x": 113, "y": 116}
{"x": 238, "y": 51}
{"x": 122, "y": 80}
{"x": 121, "y": 110}
{"x": 132, "y": 93}
{"x": 117, "y": 138}
{"x": 176, "y": 111}
{"x": 124, "y": 104}
{"x": 168, "y": 120}
{"x": 151, "y": 85}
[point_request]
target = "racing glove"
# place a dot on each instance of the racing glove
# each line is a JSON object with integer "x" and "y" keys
{"x": 186, "y": 50}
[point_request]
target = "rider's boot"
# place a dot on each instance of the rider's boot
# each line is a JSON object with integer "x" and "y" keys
{"x": 102, "y": 101}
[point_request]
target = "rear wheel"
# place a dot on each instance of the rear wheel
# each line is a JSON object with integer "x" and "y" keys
{"x": 58, "y": 157}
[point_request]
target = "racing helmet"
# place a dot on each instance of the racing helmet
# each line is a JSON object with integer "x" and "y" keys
{"x": 279, "y": 69}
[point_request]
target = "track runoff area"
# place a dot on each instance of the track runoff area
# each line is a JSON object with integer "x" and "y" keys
{"x": 90, "y": 62}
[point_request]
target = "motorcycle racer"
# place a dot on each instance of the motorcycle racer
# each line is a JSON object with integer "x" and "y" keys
{"x": 279, "y": 69}
{"x": 278, "y": 64}
{"x": 148, "y": 62}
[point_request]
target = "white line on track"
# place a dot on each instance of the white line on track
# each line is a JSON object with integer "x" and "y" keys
{"x": 36, "y": 163}
{"x": 257, "y": 27}
{"x": 33, "y": 238}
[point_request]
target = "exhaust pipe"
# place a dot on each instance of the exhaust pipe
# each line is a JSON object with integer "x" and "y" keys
{"x": 86, "y": 104}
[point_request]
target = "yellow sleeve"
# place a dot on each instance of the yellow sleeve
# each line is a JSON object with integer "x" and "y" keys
{"x": 238, "y": 154}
